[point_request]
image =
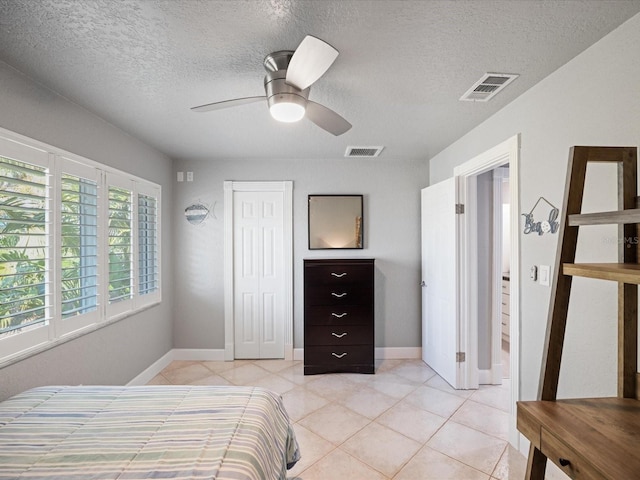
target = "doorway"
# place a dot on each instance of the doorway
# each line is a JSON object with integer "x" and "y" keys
{"x": 258, "y": 252}
{"x": 504, "y": 154}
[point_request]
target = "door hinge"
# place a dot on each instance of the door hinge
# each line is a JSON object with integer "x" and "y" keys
{"x": 460, "y": 357}
{"x": 459, "y": 208}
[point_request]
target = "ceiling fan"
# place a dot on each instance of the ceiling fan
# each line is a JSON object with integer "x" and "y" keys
{"x": 287, "y": 85}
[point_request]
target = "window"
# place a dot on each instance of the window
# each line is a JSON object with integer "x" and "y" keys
{"x": 79, "y": 245}
{"x": 79, "y": 255}
{"x": 24, "y": 263}
{"x": 147, "y": 244}
{"x": 120, "y": 245}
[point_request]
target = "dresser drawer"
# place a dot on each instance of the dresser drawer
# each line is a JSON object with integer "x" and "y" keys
{"x": 338, "y": 335}
{"x": 337, "y": 355}
{"x": 338, "y": 274}
{"x": 565, "y": 457}
{"x": 339, "y": 315}
{"x": 338, "y": 295}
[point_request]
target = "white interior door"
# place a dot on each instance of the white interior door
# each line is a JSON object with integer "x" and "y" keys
{"x": 439, "y": 280}
{"x": 258, "y": 274}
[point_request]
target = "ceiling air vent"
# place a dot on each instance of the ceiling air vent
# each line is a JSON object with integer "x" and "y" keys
{"x": 363, "y": 151}
{"x": 489, "y": 85}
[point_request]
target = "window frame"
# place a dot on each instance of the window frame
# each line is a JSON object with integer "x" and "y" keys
{"x": 57, "y": 329}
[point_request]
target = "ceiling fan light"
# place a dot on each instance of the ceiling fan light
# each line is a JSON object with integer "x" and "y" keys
{"x": 287, "y": 112}
{"x": 287, "y": 108}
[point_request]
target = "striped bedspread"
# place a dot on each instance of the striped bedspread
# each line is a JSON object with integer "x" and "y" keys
{"x": 177, "y": 432}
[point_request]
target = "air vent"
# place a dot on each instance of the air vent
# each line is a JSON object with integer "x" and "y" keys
{"x": 363, "y": 151}
{"x": 488, "y": 86}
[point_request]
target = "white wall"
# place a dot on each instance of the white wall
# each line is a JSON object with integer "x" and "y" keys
{"x": 117, "y": 353}
{"x": 391, "y": 192}
{"x": 592, "y": 100}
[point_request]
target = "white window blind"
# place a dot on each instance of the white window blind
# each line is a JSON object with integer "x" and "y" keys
{"x": 24, "y": 244}
{"x": 79, "y": 224}
{"x": 120, "y": 244}
{"x": 147, "y": 244}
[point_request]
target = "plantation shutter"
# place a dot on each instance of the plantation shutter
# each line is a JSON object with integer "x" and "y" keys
{"x": 120, "y": 249}
{"x": 79, "y": 224}
{"x": 147, "y": 244}
{"x": 25, "y": 271}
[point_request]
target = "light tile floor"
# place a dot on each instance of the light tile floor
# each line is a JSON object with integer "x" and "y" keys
{"x": 403, "y": 423}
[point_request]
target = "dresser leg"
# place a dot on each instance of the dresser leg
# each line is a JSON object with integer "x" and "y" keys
{"x": 536, "y": 464}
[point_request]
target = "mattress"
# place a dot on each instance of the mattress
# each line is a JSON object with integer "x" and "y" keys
{"x": 177, "y": 432}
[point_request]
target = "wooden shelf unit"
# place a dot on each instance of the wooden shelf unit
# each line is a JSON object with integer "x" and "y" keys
{"x": 592, "y": 438}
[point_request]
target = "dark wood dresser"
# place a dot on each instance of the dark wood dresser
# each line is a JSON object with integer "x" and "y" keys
{"x": 338, "y": 315}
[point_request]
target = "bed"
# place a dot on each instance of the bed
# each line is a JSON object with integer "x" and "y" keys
{"x": 130, "y": 433}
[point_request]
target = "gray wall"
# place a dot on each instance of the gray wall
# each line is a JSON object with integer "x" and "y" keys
{"x": 391, "y": 190}
{"x": 592, "y": 100}
{"x": 116, "y": 353}
{"x": 485, "y": 268}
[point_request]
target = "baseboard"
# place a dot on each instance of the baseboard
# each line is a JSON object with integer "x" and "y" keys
{"x": 217, "y": 355}
{"x": 152, "y": 370}
{"x": 382, "y": 353}
{"x": 393, "y": 353}
{"x": 195, "y": 354}
{"x": 199, "y": 354}
{"x": 492, "y": 376}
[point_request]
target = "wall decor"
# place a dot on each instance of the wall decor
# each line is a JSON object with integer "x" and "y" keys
{"x": 196, "y": 213}
{"x": 335, "y": 221}
{"x": 550, "y": 212}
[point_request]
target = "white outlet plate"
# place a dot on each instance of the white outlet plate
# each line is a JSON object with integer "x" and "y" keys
{"x": 189, "y": 176}
{"x": 181, "y": 176}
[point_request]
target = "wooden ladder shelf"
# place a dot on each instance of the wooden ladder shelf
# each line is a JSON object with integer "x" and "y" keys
{"x": 592, "y": 438}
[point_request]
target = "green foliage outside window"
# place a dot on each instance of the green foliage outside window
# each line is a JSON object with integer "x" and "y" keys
{"x": 23, "y": 245}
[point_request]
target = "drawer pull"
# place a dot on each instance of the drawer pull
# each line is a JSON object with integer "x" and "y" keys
{"x": 338, "y": 335}
{"x": 564, "y": 462}
{"x": 338, "y": 295}
{"x": 339, "y": 315}
{"x": 338, "y": 356}
{"x": 339, "y": 275}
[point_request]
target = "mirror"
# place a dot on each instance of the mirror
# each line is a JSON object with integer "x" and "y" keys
{"x": 335, "y": 221}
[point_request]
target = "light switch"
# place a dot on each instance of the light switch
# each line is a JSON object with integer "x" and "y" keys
{"x": 544, "y": 275}
{"x": 189, "y": 176}
{"x": 181, "y": 176}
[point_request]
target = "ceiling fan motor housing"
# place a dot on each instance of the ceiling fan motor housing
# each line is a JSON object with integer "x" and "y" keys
{"x": 278, "y": 90}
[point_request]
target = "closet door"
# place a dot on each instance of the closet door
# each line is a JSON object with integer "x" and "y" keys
{"x": 258, "y": 274}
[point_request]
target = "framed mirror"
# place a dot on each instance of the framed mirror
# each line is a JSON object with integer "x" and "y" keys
{"x": 335, "y": 221}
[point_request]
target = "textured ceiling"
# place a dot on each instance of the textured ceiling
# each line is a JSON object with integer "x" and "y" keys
{"x": 141, "y": 64}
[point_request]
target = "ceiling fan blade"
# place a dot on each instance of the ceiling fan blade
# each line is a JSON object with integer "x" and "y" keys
{"x": 311, "y": 59}
{"x": 326, "y": 118}
{"x": 227, "y": 103}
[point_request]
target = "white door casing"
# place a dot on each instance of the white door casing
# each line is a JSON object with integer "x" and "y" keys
{"x": 439, "y": 281}
{"x": 505, "y": 153}
{"x": 258, "y": 270}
